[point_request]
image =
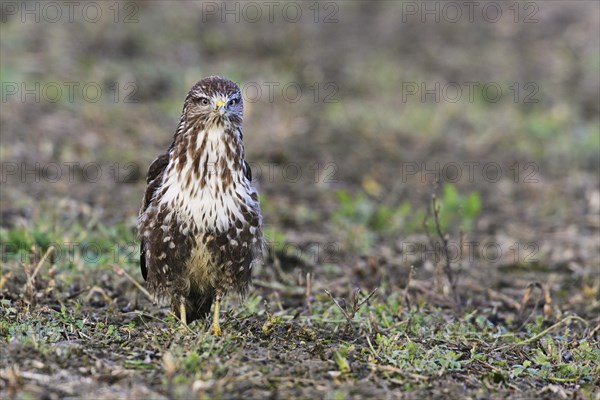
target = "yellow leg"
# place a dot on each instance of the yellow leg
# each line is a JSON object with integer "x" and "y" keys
{"x": 216, "y": 328}
{"x": 182, "y": 315}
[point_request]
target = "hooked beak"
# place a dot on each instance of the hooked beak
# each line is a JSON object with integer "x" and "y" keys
{"x": 220, "y": 104}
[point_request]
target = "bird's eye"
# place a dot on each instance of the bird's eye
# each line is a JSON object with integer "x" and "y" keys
{"x": 233, "y": 102}
{"x": 204, "y": 101}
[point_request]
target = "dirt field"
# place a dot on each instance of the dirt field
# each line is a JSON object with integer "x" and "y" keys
{"x": 356, "y": 115}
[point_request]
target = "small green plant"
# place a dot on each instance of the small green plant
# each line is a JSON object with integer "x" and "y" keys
{"x": 192, "y": 362}
{"x": 363, "y": 219}
{"x": 457, "y": 209}
{"x": 363, "y": 210}
{"x": 341, "y": 358}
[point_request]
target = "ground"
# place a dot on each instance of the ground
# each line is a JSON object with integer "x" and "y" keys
{"x": 429, "y": 189}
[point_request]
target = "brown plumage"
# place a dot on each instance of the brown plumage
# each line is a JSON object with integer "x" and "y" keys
{"x": 200, "y": 223}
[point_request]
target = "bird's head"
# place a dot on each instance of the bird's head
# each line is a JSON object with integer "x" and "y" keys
{"x": 215, "y": 101}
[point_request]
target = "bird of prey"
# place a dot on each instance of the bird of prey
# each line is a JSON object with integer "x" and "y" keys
{"x": 200, "y": 223}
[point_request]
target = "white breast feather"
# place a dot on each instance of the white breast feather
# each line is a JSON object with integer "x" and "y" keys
{"x": 208, "y": 206}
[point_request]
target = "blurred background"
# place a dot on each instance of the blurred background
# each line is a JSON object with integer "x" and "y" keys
{"x": 355, "y": 114}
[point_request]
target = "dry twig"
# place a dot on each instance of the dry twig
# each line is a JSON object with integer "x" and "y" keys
{"x": 307, "y": 294}
{"x": 445, "y": 238}
{"x": 120, "y": 271}
{"x": 30, "y": 283}
{"x": 525, "y": 299}
{"x": 405, "y": 299}
{"x": 550, "y": 329}
{"x": 356, "y": 305}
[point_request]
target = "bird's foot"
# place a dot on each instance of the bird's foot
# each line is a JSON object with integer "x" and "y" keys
{"x": 182, "y": 316}
{"x": 216, "y": 328}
